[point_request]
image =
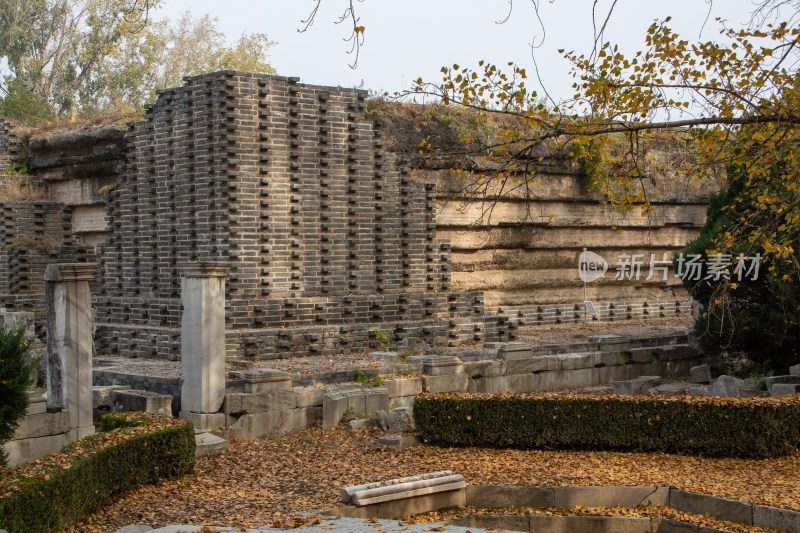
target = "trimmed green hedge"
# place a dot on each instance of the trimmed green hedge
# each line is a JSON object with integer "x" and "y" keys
{"x": 63, "y": 488}
{"x": 717, "y": 427}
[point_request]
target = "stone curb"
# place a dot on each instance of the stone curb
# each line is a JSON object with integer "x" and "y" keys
{"x": 489, "y": 496}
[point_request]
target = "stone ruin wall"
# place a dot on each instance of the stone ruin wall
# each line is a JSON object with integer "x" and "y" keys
{"x": 33, "y": 233}
{"x": 525, "y": 267}
{"x": 326, "y": 236}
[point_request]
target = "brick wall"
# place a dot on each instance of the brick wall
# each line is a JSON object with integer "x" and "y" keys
{"x": 288, "y": 183}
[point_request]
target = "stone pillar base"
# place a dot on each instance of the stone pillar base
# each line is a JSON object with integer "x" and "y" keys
{"x": 204, "y": 420}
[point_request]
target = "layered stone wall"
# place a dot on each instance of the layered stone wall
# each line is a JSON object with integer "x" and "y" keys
{"x": 291, "y": 186}
{"x": 530, "y": 254}
{"x": 77, "y": 166}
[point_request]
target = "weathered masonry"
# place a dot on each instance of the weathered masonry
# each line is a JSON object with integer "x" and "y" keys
{"x": 326, "y": 236}
{"x": 328, "y": 223}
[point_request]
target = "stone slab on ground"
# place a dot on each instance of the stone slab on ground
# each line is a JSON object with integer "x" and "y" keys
{"x": 640, "y": 385}
{"x": 209, "y": 444}
{"x": 134, "y": 528}
{"x": 399, "y": 442}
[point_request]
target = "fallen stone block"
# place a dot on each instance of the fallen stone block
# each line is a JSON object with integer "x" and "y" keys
{"x": 209, "y": 444}
{"x": 773, "y": 380}
{"x": 334, "y": 406}
{"x": 101, "y": 395}
{"x": 700, "y": 374}
{"x": 401, "y": 420}
{"x": 640, "y": 385}
{"x": 399, "y": 442}
{"x": 403, "y": 488}
{"x": 141, "y": 400}
{"x": 785, "y": 389}
{"x": 361, "y": 423}
{"x": 725, "y": 386}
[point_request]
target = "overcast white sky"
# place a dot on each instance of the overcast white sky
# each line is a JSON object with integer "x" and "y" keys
{"x": 412, "y": 38}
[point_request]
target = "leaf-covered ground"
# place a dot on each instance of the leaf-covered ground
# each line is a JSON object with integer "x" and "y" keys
{"x": 255, "y": 482}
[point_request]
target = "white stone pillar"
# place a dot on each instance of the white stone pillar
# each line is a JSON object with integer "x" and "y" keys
{"x": 203, "y": 343}
{"x": 69, "y": 343}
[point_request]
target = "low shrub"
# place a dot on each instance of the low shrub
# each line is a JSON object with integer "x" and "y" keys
{"x": 709, "y": 426}
{"x": 14, "y": 382}
{"x": 56, "y": 492}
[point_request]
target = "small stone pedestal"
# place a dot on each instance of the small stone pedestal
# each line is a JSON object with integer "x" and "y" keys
{"x": 203, "y": 343}
{"x": 69, "y": 344}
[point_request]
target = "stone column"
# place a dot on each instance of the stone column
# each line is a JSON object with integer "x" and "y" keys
{"x": 69, "y": 343}
{"x": 203, "y": 343}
